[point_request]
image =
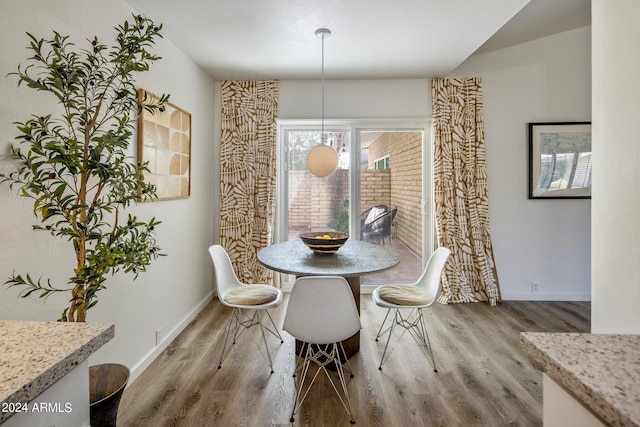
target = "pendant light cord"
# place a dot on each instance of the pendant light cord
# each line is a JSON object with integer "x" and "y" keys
{"x": 322, "y": 160}
{"x": 323, "y": 138}
{"x": 323, "y": 33}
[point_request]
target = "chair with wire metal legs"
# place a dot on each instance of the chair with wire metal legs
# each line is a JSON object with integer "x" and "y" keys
{"x": 413, "y": 297}
{"x": 321, "y": 314}
{"x": 414, "y": 323}
{"x": 249, "y": 302}
{"x": 240, "y": 321}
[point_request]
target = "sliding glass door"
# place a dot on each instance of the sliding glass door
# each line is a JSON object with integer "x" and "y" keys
{"x": 377, "y": 194}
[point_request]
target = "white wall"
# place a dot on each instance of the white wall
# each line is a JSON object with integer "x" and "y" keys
{"x": 546, "y": 241}
{"x": 175, "y": 286}
{"x": 360, "y": 99}
{"x": 616, "y": 177}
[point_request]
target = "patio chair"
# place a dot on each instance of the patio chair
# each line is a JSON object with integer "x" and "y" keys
{"x": 380, "y": 228}
{"x": 368, "y": 217}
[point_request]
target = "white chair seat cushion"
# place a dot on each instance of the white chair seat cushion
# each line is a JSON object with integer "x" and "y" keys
{"x": 404, "y": 295}
{"x": 252, "y": 295}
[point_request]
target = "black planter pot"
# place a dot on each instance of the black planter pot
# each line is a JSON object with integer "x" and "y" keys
{"x": 106, "y": 384}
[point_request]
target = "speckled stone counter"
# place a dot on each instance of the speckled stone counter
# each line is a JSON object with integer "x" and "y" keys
{"x": 602, "y": 371}
{"x": 35, "y": 355}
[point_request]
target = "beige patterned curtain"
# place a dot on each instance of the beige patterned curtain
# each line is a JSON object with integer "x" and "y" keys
{"x": 248, "y": 174}
{"x": 460, "y": 186}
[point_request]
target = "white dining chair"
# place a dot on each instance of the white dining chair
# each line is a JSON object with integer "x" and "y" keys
{"x": 413, "y": 297}
{"x": 249, "y": 302}
{"x": 321, "y": 313}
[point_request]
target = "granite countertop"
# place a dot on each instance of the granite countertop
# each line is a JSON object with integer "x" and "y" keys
{"x": 34, "y": 355}
{"x": 601, "y": 370}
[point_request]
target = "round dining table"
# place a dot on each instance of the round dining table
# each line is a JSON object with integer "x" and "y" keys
{"x": 356, "y": 258}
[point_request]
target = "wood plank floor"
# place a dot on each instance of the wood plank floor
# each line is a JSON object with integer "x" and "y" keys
{"x": 484, "y": 378}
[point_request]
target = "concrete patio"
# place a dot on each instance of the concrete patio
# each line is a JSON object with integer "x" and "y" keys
{"x": 407, "y": 271}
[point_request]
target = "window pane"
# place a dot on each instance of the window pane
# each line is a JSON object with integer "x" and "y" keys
{"x": 317, "y": 203}
{"x": 391, "y": 179}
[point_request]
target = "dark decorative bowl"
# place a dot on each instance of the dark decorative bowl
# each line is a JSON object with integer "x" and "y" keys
{"x": 322, "y": 245}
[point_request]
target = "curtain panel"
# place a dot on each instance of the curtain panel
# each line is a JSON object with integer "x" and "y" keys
{"x": 460, "y": 187}
{"x": 248, "y": 174}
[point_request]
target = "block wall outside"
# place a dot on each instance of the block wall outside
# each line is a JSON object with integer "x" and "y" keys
{"x": 405, "y": 188}
{"x": 375, "y": 188}
{"x": 313, "y": 200}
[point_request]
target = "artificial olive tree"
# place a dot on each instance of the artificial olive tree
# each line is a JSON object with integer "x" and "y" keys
{"x": 74, "y": 162}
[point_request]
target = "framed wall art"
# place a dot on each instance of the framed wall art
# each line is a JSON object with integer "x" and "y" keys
{"x": 560, "y": 160}
{"x": 164, "y": 140}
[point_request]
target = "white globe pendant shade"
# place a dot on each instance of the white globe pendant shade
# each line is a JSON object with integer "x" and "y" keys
{"x": 322, "y": 160}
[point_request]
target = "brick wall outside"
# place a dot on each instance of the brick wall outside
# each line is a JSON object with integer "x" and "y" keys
{"x": 375, "y": 188}
{"x": 313, "y": 200}
{"x": 405, "y": 188}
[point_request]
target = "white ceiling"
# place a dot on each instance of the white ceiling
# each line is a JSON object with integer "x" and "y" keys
{"x": 261, "y": 39}
{"x": 540, "y": 18}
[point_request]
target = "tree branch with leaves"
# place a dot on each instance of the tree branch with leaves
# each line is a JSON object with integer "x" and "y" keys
{"x": 75, "y": 164}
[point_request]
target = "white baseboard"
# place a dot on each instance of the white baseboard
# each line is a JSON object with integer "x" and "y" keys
{"x": 139, "y": 367}
{"x": 542, "y": 296}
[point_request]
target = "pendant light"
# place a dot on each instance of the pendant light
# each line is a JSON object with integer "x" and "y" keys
{"x": 322, "y": 160}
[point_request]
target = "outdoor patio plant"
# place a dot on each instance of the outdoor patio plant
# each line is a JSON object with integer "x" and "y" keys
{"x": 75, "y": 164}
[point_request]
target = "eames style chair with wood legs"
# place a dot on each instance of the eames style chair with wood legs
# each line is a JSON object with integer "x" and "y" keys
{"x": 249, "y": 302}
{"x": 321, "y": 313}
{"x": 413, "y": 297}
